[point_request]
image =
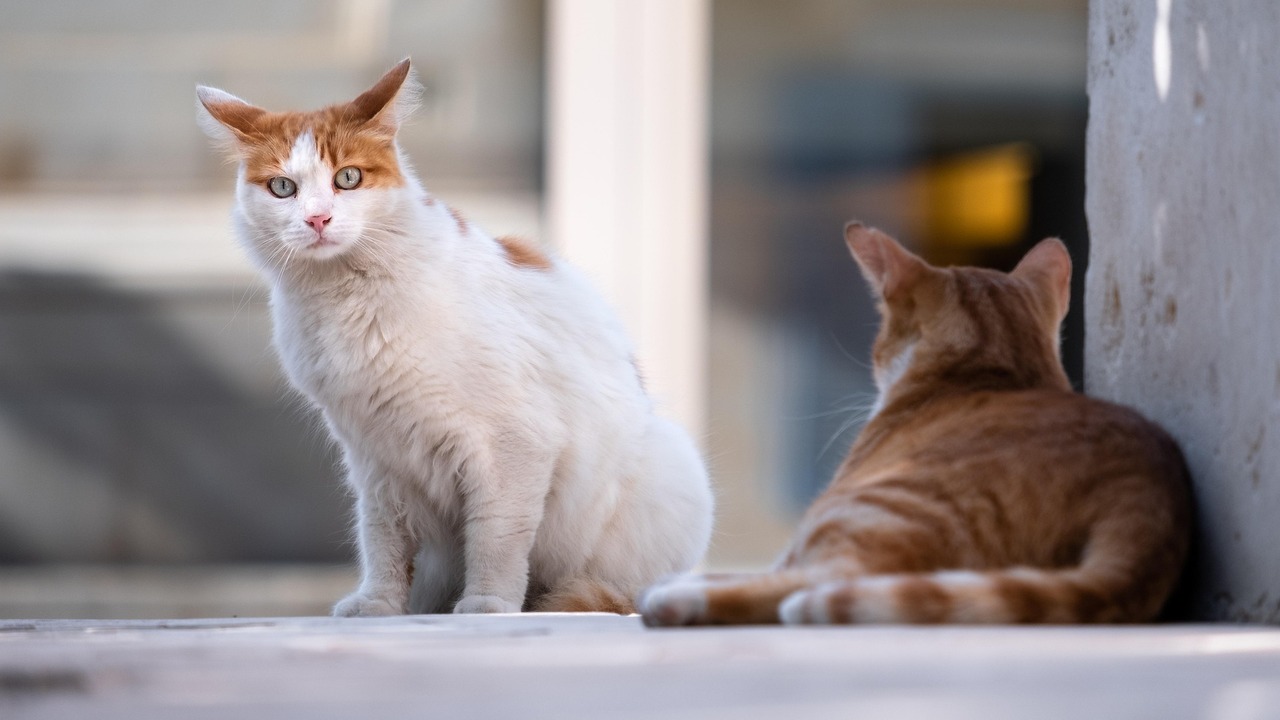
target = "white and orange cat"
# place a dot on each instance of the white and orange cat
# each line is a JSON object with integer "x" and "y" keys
{"x": 497, "y": 438}
{"x": 982, "y": 489}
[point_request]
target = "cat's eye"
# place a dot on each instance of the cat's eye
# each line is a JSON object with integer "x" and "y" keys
{"x": 347, "y": 178}
{"x": 282, "y": 187}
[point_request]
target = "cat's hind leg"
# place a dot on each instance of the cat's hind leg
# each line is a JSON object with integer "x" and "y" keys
{"x": 590, "y": 594}
{"x": 584, "y": 594}
{"x": 664, "y": 525}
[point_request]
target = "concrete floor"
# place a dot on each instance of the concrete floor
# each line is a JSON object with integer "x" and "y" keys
{"x": 595, "y": 666}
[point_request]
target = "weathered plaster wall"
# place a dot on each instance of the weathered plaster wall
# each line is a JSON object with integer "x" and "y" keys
{"x": 1183, "y": 288}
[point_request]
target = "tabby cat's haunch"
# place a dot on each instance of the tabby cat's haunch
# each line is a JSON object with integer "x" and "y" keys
{"x": 982, "y": 490}
{"x": 485, "y": 398}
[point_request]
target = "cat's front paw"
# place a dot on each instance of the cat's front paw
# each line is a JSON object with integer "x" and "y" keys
{"x": 679, "y": 601}
{"x": 485, "y": 604}
{"x": 360, "y": 605}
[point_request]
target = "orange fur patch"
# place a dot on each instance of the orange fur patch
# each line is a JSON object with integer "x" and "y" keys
{"x": 340, "y": 140}
{"x": 751, "y": 599}
{"x": 923, "y": 601}
{"x": 523, "y": 253}
{"x": 585, "y": 596}
{"x": 459, "y": 218}
{"x": 348, "y": 134}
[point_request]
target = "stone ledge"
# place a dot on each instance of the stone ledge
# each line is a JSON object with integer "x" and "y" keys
{"x": 593, "y": 666}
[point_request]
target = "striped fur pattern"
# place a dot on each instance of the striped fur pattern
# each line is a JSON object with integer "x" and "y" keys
{"x": 499, "y": 444}
{"x": 982, "y": 490}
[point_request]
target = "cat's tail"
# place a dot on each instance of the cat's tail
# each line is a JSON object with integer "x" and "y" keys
{"x": 585, "y": 595}
{"x": 1122, "y": 578}
{"x": 1128, "y": 569}
{"x": 1015, "y": 595}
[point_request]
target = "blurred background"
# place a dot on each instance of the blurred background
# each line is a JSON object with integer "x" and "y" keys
{"x": 154, "y": 463}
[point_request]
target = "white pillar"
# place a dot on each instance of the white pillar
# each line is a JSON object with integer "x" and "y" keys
{"x": 627, "y": 175}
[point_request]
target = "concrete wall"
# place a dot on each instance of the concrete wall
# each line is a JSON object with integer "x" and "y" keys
{"x": 1183, "y": 289}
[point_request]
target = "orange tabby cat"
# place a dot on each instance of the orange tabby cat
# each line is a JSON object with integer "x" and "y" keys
{"x": 982, "y": 490}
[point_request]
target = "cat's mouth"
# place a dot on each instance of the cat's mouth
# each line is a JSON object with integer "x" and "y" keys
{"x": 323, "y": 247}
{"x": 322, "y": 242}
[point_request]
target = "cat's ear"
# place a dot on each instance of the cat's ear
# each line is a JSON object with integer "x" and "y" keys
{"x": 390, "y": 100}
{"x": 889, "y": 268}
{"x": 1048, "y": 265}
{"x": 225, "y": 118}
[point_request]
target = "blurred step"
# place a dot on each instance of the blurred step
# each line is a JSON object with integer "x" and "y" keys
{"x": 190, "y": 591}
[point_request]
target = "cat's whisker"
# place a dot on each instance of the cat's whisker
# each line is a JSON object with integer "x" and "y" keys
{"x": 849, "y": 356}
{"x": 862, "y": 399}
{"x": 280, "y": 256}
{"x": 246, "y": 297}
{"x": 857, "y": 415}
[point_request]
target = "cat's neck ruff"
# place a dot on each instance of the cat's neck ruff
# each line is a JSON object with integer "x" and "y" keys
{"x": 892, "y": 374}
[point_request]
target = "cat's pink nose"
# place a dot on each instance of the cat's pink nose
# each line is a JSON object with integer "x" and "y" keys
{"x": 319, "y": 221}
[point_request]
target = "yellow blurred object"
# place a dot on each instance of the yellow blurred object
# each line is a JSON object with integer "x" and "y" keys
{"x": 978, "y": 199}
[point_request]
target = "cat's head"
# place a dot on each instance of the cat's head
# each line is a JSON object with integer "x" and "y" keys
{"x": 312, "y": 185}
{"x": 965, "y": 325}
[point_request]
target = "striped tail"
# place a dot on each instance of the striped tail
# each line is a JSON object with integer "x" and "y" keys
{"x": 1128, "y": 569}
{"x": 1114, "y": 590}
{"x": 1126, "y": 574}
{"x": 1016, "y": 595}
